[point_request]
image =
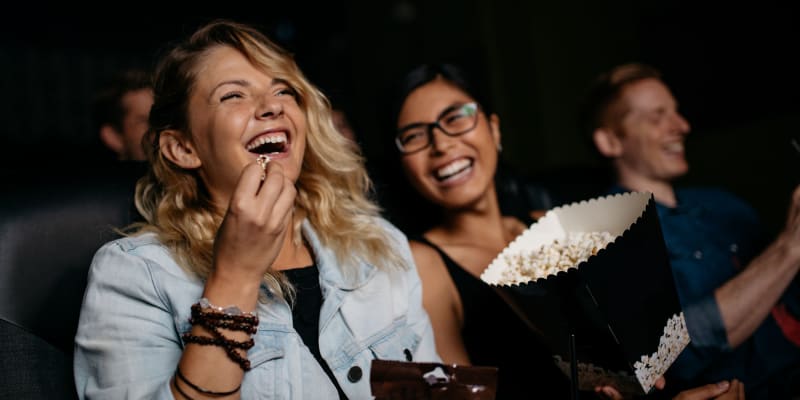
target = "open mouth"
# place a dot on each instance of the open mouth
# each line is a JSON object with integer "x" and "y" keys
{"x": 270, "y": 144}
{"x": 453, "y": 169}
{"x": 674, "y": 148}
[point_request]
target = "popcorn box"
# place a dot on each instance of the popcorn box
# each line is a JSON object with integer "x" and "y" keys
{"x": 598, "y": 270}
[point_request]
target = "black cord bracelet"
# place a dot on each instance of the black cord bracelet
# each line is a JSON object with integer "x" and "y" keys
{"x": 201, "y": 390}
{"x": 178, "y": 388}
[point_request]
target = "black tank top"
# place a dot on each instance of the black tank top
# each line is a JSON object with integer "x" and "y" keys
{"x": 494, "y": 336}
{"x": 305, "y": 313}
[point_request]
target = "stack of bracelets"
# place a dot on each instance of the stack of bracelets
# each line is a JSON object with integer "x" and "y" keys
{"x": 214, "y": 318}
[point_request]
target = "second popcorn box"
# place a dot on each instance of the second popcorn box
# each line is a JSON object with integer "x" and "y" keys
{"x": 597, "y": 271}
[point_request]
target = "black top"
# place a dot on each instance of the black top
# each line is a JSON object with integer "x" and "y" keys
{"x": 494, "y": 336}
{"x": 305, "y": 313}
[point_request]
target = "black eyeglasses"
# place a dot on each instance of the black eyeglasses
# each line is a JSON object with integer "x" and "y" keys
{"x": 453, "y": 121}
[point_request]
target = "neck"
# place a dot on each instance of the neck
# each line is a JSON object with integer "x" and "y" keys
{"x": 662, "y": 190}
{"x": 292, "y": 255}
{"x": 480, "y": 223}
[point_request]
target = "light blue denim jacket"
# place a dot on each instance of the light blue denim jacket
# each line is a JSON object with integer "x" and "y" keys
{"x": 137, "y": 305}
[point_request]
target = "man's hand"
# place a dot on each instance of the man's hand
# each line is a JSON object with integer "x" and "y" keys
{"x": 723, "y": 390}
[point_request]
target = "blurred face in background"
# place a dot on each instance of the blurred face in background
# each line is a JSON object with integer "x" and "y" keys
{"x": 453, "y": 170}
{"x": 649, "y": 132}
{"x": 134, "y": 123}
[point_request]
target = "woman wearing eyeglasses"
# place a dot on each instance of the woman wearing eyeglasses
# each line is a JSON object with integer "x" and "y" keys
{"x": 448, "y": 142}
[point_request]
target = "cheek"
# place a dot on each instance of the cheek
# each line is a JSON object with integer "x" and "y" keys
{"x": 414, "y": 169}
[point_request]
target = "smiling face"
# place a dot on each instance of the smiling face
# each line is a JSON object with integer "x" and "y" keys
{"x": 236, "y": 113}
{"x": 651, "y": 134}
{"x": 454, "y": 171}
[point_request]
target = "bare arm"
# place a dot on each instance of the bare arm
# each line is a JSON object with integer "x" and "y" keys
{"x": 440, "y": 299}
{"x": 746, "y": 300}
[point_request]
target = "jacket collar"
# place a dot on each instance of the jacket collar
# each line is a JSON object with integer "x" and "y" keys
{"x": 336, "y": 280}
{"x": 349, "y": 276}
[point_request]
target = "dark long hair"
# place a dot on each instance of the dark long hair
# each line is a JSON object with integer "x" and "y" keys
{"x": 401, "y": 202}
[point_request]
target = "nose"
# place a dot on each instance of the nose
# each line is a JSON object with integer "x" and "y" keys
{"x": 269, "y": 108}
{"x": 681, "y": 124}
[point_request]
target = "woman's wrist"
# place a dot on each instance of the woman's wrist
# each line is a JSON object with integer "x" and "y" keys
{"x": 224, "y": 290}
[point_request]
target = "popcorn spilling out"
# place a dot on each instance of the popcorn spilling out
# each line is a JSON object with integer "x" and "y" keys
{"x": 262, "y": 162}
{"x": 560, "y": 255}
{"x": 672, "y": 342}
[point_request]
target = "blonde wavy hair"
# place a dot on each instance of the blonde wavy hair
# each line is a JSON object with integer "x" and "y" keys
{"x": 176, "y": 205}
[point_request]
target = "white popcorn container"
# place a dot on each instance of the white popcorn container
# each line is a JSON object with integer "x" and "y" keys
{"x": 621, "y": 303}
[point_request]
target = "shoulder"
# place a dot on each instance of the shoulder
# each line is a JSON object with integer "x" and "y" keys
{"x": 145, "y": 248}
{"x": 716, "y": 197}
{"x": 431, "y": 266}
{"x": 135, "y": 260}
{"x": 424, "y": 252}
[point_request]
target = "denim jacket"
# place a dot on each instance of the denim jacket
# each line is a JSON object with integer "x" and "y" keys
{"x": 137, "y": 305}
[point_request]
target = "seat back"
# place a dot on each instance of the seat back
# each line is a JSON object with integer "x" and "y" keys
{"x": 33, "y": 368}
{"x": 50, "y": 227}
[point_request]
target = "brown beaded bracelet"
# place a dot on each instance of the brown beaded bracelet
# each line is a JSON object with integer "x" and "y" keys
{"x": 229, "y": 345}
{"x": 217, "y": 323}
{"x": 212, "y": 318}
{"x": 218, "y": 341}
{"x": 230, "y": 349}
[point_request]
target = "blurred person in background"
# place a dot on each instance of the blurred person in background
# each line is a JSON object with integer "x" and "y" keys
{"x": 121, "y": 108}
{"x": 738, "y": 293}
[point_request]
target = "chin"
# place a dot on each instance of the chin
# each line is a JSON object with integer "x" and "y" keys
{"x": 677, "y": 173}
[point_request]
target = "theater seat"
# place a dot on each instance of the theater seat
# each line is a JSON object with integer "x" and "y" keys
{"x": 50, "y": 226}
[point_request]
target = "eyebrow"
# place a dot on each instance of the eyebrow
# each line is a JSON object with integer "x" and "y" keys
{"x": 452, "y": 107}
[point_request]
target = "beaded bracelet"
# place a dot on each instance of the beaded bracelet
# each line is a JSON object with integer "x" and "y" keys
{"x": 199, "y": 389}
{"x": 231, "y": 310}
{"x": 212, "y": 318}
{"x": 228, "y": 345}
{"x": 211, "y": 324}
{"x": 218, "y": 340}
{"x": 245, "y": 319}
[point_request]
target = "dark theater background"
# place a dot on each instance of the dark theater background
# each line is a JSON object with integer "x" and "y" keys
{"x": 732, "y": 66}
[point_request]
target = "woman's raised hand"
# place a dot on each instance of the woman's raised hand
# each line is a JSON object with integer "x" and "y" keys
{"x": 255, "y": 225}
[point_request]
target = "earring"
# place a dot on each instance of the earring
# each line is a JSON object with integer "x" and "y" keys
{"x": 499, "y": 147}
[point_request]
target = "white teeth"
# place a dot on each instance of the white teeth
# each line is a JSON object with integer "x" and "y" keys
{"x": 453, "y": 168}
{"x": 277, "y": 138}
{"x": 674, "y": 146}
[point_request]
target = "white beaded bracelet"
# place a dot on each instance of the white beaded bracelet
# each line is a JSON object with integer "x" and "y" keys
{"x": 231, "y": 310}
